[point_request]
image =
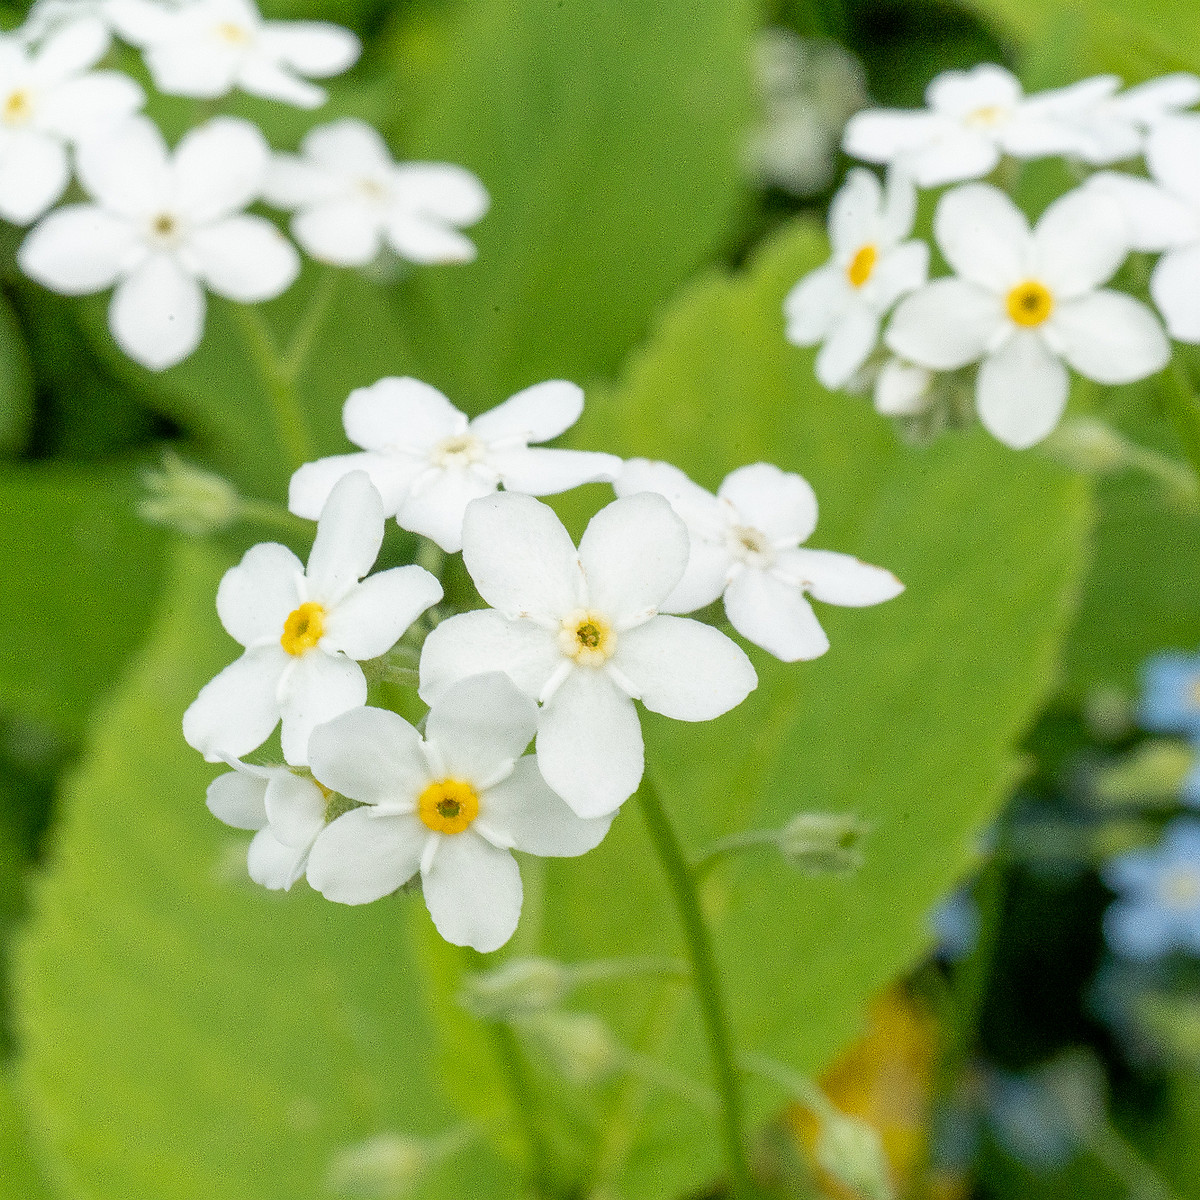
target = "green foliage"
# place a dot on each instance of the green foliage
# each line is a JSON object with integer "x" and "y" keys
{"x": 21, "y": 1176}
{"x": 16, "y": 383}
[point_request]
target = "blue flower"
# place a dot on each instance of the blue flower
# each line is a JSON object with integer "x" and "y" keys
{"x": 1171, "y": 694}
{"x": 1191, "y": 785}
{"x": 1158, "y": 905}
{"x": 955, "y": 924}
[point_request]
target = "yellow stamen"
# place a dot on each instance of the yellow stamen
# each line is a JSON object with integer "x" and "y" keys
{"x": 236, "y": 35}
{"x": 448, "y": 806}
{"x": 587, "y": 638}
{"x": 1181, "y": 888}
{"x": 164, "y": 225}
{"x": 1030, "y": 303}
{"x": 986, "y": 117}
{"x": 18, "y": 108}
{"x": 461, "y": 449}
{"x": 303, "y": 629}
{"x": 861, "y": 265}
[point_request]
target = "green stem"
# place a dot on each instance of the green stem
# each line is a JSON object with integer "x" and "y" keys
{"x": 305, "y": 332}
{"x": 524, "y": 1103}
{"x": 1184, "y": 409}
{"x": 707, "y": 984}
{"x": 263, "y": 512}
{"x": 605, "y": 969}
{"x": 728, "y": 845}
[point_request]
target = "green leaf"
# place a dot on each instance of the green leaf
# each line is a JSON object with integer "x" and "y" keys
{"x": 186, "y": 1035}
{"x": 21, "y": 1175}
{"x": 16, "y": 383}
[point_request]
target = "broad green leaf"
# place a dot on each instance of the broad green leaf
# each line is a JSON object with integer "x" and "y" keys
{"x": 16, "y": 383}
{"x": 186, "y": 1035}
{"x": 609, "y": 138}
{"x": 21, "y": 1176}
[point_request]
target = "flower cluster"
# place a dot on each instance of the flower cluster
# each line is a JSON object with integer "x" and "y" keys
{"x": 1024, "y": 303}
{"x": 164, "y": 228}
{"x": 572, "y": 638}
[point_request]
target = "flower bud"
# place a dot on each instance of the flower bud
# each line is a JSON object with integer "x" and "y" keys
{"x": 823, "y": 843}
{"x": 516, "y": 989}
{"x": 1086, "y": 444}
{"x": 850, "y": 1151}
{"x": 579, "y": 1044}
{"x": 185, "y": 498}
{"x": 380, "y": 1168}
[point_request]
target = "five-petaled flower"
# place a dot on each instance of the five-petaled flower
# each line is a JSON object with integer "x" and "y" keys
{"x": 451, "y": 805}
{"x": 305, "y": 630}
{"x": 581, "y": 631}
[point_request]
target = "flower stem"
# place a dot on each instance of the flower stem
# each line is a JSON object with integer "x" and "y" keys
{"x": 524, "y": 1104}
{"x": 707, "y": 984}
{"x": 1184, "y": 408}
{"x": 310, "y": 322}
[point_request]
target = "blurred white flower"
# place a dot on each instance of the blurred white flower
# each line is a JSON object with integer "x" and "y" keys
{"x": 304, "y": 629}
{"x": 1165, "y": 215}
{"x": 840, "y": 304}
{"x": 580, "y": 631}
{"x": 429, "y": 462}
{"x": 209, "y": 47}
{"x": 1115, "y": 128}
{"x": 49, "y": 99}
{"x": 351, "y": 198}
{"x": 164, "y": 227}
{"x": 1024, "y": 302}
{"x": 745, "y": 545}
{"x": 452, "y": 805}
{"x": 972, "y": 118}
{"x": 48, "y": 17}
{"x": 902, "y": 389}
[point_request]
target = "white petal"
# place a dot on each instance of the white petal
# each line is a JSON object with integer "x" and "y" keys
{"x": 1173, "y": 156}
{"x": 273, "y": 865}
{"x": 837, "y": 578}
{"x": 481, "y": 723}
{"x": 984, "y": 236}
{"x": 244, "y": 258}
{"x": 370, "y": 754}
{"x": 77, "y": 249}
{"x": 902, "y": 389}
{"x": 33, "y": 174}
{"x": 1151, "y": 101}
{"x": 960, "y": 93}
{"x": 474, "y": 643}
{"x": 373, "y": 616}
{"x": 391, "y": 474}
{"x": 236, "y": 711}
{"x": 200, "y": 68}
{"x": 445, "y": 192}
{"x": 533, "y": 819}
{"x": 955, "y": 154}
{"x": 293, "y": 182}
{"x": 1080, "y": 242}
{"x": 72, "y": 49}
{"x": 347, "y": 146}
{"x": 1021, "y": 391}
{"x": 90, "y": 105}
{"x": 778, "y": 503}
{"x": 361, "y": 857}
{"x": 423, "y": 240}
{"x": 139, "y": 22}
{"x": 775, "y": 616}
{"x": 345, "y": 232}
{"x": 851, "y": 339}
{"x": 315, "y": 48}
{"x": 295, "y": 808}
{"x": 541, "y": 472}
{"x": 255, "y": 597}
{"x": 1111, "y": 338}
{"x": 435, "y": 506}
{"x": 854, "y": 213}
{"x": 157, "y": 313}
{"x": 318, "y": 688}
{"x": 129, "y": 170}
{"x": 537, "y": 414}
{"x": 473, "y": 892}
{"x": 349, "y": 535}
{"x": 899, "y": 272}
{"x": 814, "y": 305}
{"x": 634, "y": 552}
{"x": 946, "y": 324}
{"x": 237, "y": 798}
{"x": 700, "y": 509}
{"x": 685, "y": 669}
{"x": 400, "y": 413}
{"x": 1154, "y": 217}
{"x": 521, "y": 557}
{"x": 589, "y": 743}
{"x": 882, "y": 135}
{"x": 1173, "y": 286}
{"x": 261, "y": 75}
{"x": 704, "y": 579}
{"x": 220, "y": 168}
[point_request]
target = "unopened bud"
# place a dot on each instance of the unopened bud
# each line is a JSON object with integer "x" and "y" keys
{"x": 516, "y": 989}
{"x": 185, "y": 498}
{"x": 381, "y": 1168}
{"x": 579, "y": 1044}
{"x": 1086, "y": 444}
{"x": 824, "y": 843}
{"x": 850, "y": 1151}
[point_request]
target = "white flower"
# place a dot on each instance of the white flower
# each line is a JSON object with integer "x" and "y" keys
{"x": 580, "y": 631}
{"x": 1115, "y": 128}
{"x": 429, "y": 462}
{"x": 351, "y": 197}
{"x": 451, "y": 805}
{"x": 1024, "y": 302}
{"x": 902, "y": 388}
{"x": 49, "y": 98}
{"x": 841, "y": 303}
{"x": 209, "y": 47}
{"x": 1165, "y": 215}
{"x": 304, "y": 629}
{"x": 745, "y": 545}
{"x": 48, "y": 17}
{"x": 973, "y": 117}
{"x": 286, "y": 809}
{"x": 161, "y": 230}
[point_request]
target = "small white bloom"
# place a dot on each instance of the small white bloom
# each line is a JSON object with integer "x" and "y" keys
{"x": 973, "y": 117}
{"x": 209, "y": 47}
{"x": 48, "y": 17}
{"x": 872, "y": 266}
{"x": 745, "y": 545}
{"x": 163, "y": 228}
{"x": 1023, "y": 302}
{"x": 902, "y": 389}
{"x": 1165, "y": 215}
{"x": 429, "y": 462}
{"x": 287, "y": 811}
{"x": 451, "y": 805}
{"x": 49, "y": 99}
{"x": 580, "y": 631}
{"x": 304, "y": 629}
{"x": 351, "y": 198}
{"x": 1115, "y": 128}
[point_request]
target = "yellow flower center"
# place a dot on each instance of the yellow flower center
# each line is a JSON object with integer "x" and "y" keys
{"x": 233, "y": 33}
{"x": 587, "y": 638}
{"x": 303, "y": 629}
{"x": 18, "y": 108}
{"x": 1030, "y": 303}
{"x": 987, "y": 117}
{"x": 164, "y": 226}
{"x": 448, "y": 806}
{"x": 862, "y": 264}
{"x": 1180, "y": 888}
{"x": 460, "y": 450}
